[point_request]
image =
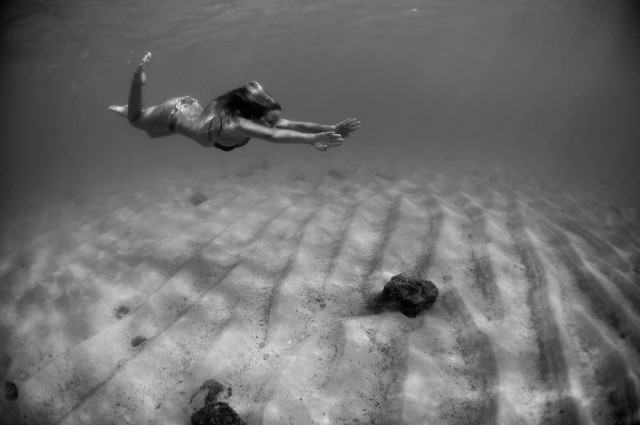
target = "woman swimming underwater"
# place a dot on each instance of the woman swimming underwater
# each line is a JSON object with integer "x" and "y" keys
{"x": 229, "y": 121}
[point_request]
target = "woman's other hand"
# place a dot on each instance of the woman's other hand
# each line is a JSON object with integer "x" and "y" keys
{"x": 325, "y": 140}
{"x": 348, "y": 126}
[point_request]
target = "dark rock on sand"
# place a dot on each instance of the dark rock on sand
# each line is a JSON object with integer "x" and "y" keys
{"x": 10, "y": 391}
{"x": 218, "y": 413}
{"x": 122, "y": 311}
{"x": 198, "y": 198}
{"x": 409, "y": 294}
{"x": 137, "y": 341}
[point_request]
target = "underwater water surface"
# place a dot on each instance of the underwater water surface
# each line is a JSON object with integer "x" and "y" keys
{"x": 554, "y": 80}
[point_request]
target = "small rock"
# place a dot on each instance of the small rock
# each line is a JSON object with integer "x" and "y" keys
{"x": 216, "y": 414}
{"x": 198, "y": 198}
{"x": 122, "y": 311}
{"x": 336, "y": 174}
{"x": 409, "y": 294}
{"x": 137, "y": 341}
{"x": 10, "y": 391}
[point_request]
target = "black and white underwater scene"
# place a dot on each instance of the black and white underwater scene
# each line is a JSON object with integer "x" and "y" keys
{"x": 464, "y": 250}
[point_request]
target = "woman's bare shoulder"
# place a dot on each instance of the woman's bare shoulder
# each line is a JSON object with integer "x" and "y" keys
{"x": 284, "y": 123}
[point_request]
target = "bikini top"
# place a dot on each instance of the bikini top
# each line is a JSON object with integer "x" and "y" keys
{"x": 223, "y": 147}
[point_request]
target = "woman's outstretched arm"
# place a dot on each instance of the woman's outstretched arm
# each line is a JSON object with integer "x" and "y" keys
{"x": 344, "y": 128}
{"x": 321, "y": 141}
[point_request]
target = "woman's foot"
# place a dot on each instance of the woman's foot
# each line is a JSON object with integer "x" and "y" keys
{"x": 120, "y": 110}
{"x": 139, "y": 76}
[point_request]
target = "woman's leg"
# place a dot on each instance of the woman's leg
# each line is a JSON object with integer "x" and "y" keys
{"x": 153, "y": 119}
{"x": 135, "y": 94}
{"x": 133, "y": 110}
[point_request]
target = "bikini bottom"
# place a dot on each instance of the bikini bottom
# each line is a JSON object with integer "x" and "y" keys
{"x": 230, "y": 148}
{"x": 224, "y": 148}
{"x": 181, "y": 103}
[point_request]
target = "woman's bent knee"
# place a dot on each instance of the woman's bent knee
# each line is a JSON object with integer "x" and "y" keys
{"x": 133, "y": 120}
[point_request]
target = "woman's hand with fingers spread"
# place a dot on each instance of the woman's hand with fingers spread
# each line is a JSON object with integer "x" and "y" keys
{"x": 348, "y": 126}
{"x": 325, "y": 140}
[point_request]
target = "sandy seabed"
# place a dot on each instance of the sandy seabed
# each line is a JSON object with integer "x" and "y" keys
{"x": 118, "y": 307}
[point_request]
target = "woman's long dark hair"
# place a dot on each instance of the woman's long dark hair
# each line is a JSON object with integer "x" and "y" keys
{"x": 249, "y": 101}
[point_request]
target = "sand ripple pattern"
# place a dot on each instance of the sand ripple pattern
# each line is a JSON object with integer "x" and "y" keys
{"x": 264, "y": 287}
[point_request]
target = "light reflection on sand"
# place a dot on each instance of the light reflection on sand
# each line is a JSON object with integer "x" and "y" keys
{"x": 264, "y": 288}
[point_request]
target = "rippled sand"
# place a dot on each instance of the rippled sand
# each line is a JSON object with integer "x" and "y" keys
{"x": 117, "y": 308}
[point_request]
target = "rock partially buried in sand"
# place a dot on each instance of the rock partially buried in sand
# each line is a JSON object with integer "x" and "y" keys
{"x": 198, "y": 198}
{"x": 122, "y": 311}
{"x": 409, "y": 294}
{"x": 219, "y": 413}
{"x": 10, "y": 391}
{"x": 138, "y": 341}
